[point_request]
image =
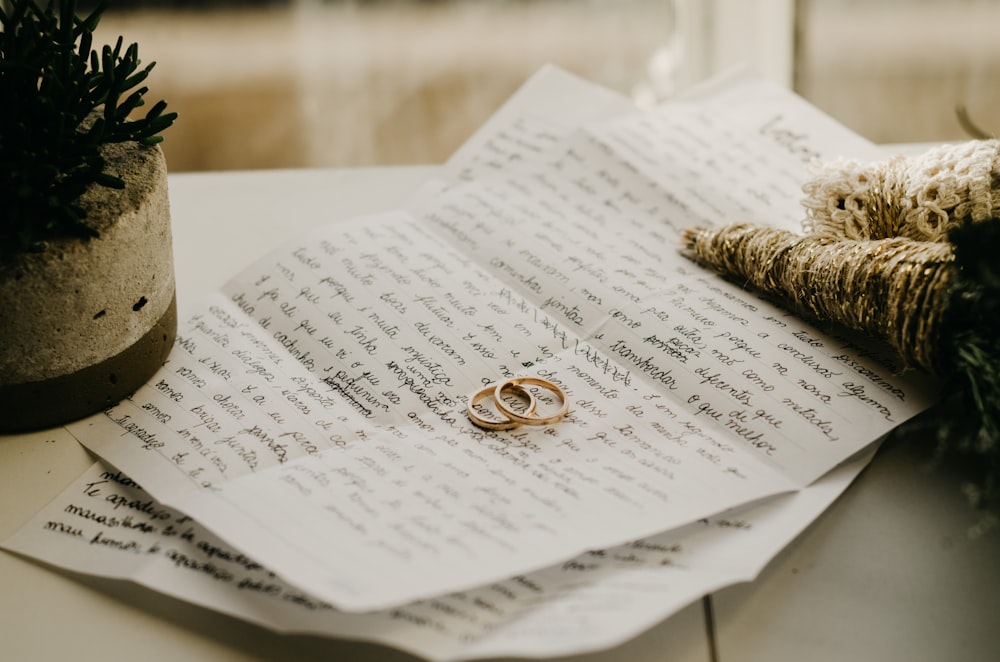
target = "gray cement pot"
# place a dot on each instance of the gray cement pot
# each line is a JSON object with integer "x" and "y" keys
{"x": 85, "y": 323}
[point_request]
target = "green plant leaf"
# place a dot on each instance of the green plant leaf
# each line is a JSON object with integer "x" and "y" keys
{"x": 110, "y": 181}
{"x": 61, "y": 101}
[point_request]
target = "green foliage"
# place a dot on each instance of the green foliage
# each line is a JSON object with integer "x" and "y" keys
{"x": 972, "y": 339}
{"x": 60, "y": 102}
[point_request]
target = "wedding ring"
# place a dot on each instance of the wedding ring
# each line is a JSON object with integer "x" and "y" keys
{"x": 530, "y": 417}
{"x": 506, "y": 423}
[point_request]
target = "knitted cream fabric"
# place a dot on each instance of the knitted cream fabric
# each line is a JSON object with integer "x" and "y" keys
{"x": 920, "y": 197}
{"x": 875, "y": 256}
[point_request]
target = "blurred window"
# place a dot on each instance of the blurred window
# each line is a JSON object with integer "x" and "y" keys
{"x": 296, "y": 83}
{"x": 305, "y": 83}
{"x": 902, "y": 70}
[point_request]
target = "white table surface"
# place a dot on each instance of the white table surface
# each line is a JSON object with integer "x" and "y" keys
{"x": 887, "y": 573}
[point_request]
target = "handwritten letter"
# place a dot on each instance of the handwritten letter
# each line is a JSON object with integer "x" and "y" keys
{"x": 313, "y": 411}
{"x": 106, "y": 524}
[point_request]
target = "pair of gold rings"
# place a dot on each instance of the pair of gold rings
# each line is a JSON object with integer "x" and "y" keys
{"x": 507, "y": 418}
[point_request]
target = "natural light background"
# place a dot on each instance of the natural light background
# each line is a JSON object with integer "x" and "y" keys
{"x": 308, "y": 83}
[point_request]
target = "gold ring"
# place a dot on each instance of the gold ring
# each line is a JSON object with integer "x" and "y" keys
{"x": 529, "y": 417}
{"x": 506, "y": 423}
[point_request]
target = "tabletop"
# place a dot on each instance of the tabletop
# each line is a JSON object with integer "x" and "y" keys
{"x": 888, "y": 572}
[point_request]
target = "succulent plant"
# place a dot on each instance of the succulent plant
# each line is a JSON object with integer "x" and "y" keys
{"x": 63, "y": 101}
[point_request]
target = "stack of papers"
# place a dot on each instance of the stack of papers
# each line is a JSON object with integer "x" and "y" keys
{"x": 304, "y": 460}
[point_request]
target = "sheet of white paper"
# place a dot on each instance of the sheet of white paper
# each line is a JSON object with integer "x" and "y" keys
{"x": 104, "y": 524}
{"x": 313, "y": 411}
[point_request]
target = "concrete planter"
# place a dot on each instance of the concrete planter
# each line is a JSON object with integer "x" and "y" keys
{"x": 85, "y": 323}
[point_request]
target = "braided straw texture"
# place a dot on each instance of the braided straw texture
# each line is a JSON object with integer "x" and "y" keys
{"x": 895, "y": 289}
